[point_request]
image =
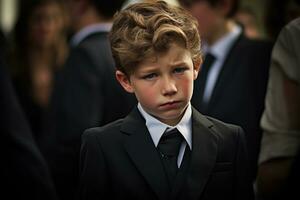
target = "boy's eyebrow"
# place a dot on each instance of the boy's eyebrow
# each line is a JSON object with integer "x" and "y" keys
{"x": 153, "y": 68}
{"x": 148, "y": 69}
{"x": 179, "y": 63}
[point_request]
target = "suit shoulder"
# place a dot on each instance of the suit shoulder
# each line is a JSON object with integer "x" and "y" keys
{"x": 224, "y": 130}
{"x": 97, "y": 47}
{"x": 257, "y": 45}
{"x": 217, "y": 126}
{"x": 230, "y": 137}
{"x": 223, "y": 125}
{"x": 107, "y": 130}
{"x": 95, "y": 38}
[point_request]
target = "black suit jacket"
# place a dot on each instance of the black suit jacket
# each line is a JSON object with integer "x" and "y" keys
{"x": 120, "y": 161}
{"x": 239, "y": 93}
{"x": 24, "y": 173}
{"x": 86, "y": 94}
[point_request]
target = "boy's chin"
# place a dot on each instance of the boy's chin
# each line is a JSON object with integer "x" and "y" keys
{"x": 171, "y": 119}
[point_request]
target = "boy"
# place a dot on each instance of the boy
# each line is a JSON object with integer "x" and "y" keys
{"x": 157, "y": 52}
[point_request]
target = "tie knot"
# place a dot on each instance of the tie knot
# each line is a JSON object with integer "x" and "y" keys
{"x": 170, "y": 142}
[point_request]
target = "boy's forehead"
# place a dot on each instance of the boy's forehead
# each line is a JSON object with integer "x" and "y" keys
{"x": 173, "y": 54}
{"x": 154, "y": 54}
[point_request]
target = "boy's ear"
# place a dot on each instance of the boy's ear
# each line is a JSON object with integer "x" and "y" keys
{"x": 124, "y": 81}
{"x": 197, "y": 64}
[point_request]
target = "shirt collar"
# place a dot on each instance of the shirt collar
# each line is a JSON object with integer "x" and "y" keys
{"x": 157, "y": 128}
{"x": 83, "y": 33}
{"x": 222, "y": 46}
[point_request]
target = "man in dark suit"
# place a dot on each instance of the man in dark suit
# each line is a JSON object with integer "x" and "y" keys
{"x": 24, "y": 173}
{"x": 86, "y": 93}
{"x": 164, "y": 149}
{"x": 232, "y": 88}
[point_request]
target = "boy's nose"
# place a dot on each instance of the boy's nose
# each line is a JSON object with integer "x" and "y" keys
{"x": 168, "y": 86}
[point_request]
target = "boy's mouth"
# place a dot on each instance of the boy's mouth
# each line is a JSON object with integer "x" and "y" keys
{"x": 170, "y": 104}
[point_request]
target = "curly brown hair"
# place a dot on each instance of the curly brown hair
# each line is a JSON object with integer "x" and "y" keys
{"x": 143, "y": 29}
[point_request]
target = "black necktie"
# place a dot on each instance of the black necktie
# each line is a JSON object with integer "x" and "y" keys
{"x": 168, "y": 148}
{"x": 205, "y": 67}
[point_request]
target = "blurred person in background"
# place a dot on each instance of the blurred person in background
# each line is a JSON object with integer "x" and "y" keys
{"x": 246, "y": 17}
{"x": 39, "y": 49}
{"x": 24, "y": 172}
{"x": 280, "y": 141}
{"x": 281, "y": 120}
{"x": 233, "y": 78}
{"x": 86, "y": 93}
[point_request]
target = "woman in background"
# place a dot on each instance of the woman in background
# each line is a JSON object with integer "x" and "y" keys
{"x": 39, "y": 49}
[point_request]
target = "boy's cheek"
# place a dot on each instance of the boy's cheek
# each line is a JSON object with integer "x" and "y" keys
{"x": 149, "y": 97}
{"x": 187, "y": 85}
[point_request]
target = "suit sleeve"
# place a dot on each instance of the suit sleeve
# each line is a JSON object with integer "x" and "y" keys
{"x": 94, "y": 182}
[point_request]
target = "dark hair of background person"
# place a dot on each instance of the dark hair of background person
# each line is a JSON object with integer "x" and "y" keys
{"x": 107, "y": 8}
{"x": 278, "y": 13}
{"x": 231, "y": 13}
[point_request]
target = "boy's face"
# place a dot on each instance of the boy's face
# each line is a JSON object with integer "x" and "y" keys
{"x": 163, "y": 84}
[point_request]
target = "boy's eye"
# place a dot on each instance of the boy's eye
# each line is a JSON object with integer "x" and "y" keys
{"x": 179, "y": 70}
{"x": 150, "y": 76}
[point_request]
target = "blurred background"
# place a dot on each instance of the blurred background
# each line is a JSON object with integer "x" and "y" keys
{"x": 9, "y": 10}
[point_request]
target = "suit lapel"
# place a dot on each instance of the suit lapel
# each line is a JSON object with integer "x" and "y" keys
{"x": 139, "y": 146}
{"x": 203, "y": 156}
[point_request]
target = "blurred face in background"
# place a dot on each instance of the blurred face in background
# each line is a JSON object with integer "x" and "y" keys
{"x": 46, "y": 24}
{"x": 76, "y": 9}
{"x": 211, "y": 19}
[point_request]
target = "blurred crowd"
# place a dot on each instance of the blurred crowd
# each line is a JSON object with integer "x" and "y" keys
{"x": 58, "y": 79}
